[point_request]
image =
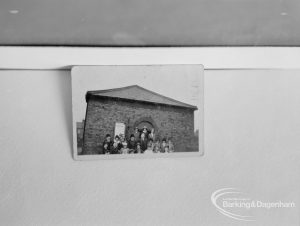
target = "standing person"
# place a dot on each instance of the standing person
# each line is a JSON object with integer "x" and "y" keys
{"x": 151, "y": 135}
{"x": 136, "y": 134}
{"x": 143, "y": 142}
{"x": 108, "y": 142}
{"x": 145, "y": 131}
{"x": 132, "y": 143}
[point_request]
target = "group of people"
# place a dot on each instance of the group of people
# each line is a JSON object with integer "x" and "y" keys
{"x": 141, "y": 141}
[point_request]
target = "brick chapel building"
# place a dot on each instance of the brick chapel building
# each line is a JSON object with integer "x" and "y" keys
{"x": 135, "y": 106}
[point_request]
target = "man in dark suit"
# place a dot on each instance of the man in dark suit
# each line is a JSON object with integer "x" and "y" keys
{"x": 143, "y": 142}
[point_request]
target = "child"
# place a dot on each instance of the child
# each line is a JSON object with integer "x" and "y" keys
{"x": 132, "y": 143}
{"x": 138, "y": 149}
{"x": 156, "y": 149}
{"x": 163, "y": 145}
{"x": 124, "y": 149}
{"x": 167, "y": 149}
{"x": 151, "y": 143}
{"x": 109, "y": 144}
{"x": 115, "y": 149}
{"x": 171, "y": 146}
{"x": 157, "y": 146}
{"x": 105, "y": 149}
{"x": 118, "y": 141}
{"x": 149, "y": 149}
{"x": 122, "y": 138}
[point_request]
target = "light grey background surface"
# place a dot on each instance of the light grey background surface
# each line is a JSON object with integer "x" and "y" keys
{"x": 251, "y": 142}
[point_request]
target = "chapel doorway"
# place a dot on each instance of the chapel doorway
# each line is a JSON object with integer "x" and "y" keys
{"x": 146, "y": 121}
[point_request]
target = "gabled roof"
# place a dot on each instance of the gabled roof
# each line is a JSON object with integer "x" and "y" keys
{"x": 138, "y": 93}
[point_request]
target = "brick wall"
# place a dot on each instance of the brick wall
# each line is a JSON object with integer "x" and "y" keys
{"x": 102, "y": 114}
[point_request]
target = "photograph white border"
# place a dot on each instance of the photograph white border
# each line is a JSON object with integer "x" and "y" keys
{"x": 137, "y": 156}
{"x": 142, "y": 156}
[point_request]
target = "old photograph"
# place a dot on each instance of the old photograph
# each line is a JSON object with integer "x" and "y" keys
{"x": 130, "y": 111}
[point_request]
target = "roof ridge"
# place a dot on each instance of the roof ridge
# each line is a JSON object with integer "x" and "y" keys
{"x": 169, "y": 98}
{"x": 144, "y": 89}
{"x": 112, "y": 89}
